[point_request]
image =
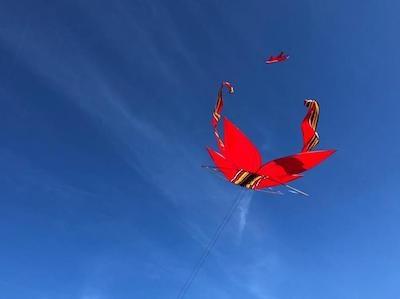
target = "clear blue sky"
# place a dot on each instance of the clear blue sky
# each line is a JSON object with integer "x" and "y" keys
{"x": 105, "y": 115}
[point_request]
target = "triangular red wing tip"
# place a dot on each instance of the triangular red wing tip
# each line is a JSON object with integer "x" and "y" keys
{"x": 327, "y": 152}
{"x": 211, "y": 151}
{"x": 330, "y": 151}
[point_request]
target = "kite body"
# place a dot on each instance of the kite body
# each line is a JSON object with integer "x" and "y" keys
{"x": 240, "y": 162}
{"x": 279, "y": 58}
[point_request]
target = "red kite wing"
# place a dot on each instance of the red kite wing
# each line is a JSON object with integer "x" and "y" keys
{"x": 225, "y": 166}
{"x": 239, "y": 149}
{"x": 272, "y": 182}
{"x": 294, "y": 164}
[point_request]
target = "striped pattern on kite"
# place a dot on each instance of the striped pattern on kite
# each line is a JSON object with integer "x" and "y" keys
{"x": 309, "y": 125}
{"x": 246, "y": 179}
{"x": 216, "y": 116}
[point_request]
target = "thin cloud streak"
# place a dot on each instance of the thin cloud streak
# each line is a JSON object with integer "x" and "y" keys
{"x": 243, "y": 211}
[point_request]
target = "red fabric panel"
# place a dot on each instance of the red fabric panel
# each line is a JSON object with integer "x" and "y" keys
{"x": 294, "y": 164}
{"x": 307, "y": 130}
{"x": 265, "y": 183}
{"x": 225, "y": 166}
{"x": 239, "y": 149}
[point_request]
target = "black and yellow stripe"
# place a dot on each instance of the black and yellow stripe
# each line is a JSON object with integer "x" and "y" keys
{"x": 313, "y": 108}
{"x": 246, "y": 179}
{"x": 313, "y": 117}
{"x": 218, "y": 107}
{"x": 216, "y": 116}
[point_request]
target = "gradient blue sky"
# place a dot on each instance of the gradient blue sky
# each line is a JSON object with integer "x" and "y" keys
{"x": 105, "y": 115}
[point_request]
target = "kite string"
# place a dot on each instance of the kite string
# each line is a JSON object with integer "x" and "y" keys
{"x": 209, "y": 247}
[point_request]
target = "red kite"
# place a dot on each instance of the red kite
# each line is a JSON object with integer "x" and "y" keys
{"x": 280, "y": 58}
{"x": 240, "y": 161}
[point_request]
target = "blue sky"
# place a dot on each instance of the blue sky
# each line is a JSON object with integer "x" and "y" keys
{"x": 105, "y": 115}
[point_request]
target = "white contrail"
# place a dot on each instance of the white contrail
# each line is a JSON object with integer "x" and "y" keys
{"x": 243, "y": 211}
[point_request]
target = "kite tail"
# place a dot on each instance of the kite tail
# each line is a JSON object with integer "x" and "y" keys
{"x": 216, "y": 116}
{"x": 309, "y": 125}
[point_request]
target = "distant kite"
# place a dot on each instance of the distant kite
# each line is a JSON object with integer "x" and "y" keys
{"x": 240, "y": 161}
{"x": 280, "y": 58}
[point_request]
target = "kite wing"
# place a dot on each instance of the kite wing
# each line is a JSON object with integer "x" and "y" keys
{"x": 284, "y": 170}
{"x": 294, "y": 164}
{"x": 235, "y": 146}
{"x": 226, "y": 167}
{"x": 239, "y": 149}
{"x": 239, "y": 159}
{"x": 267, "y": 182}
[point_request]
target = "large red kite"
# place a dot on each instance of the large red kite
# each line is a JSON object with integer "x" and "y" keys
{"x": 240, "y": 161}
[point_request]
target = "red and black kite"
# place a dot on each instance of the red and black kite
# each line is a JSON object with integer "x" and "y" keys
{"x": 280, "y": 58}
{"x": 240, "y": 161}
